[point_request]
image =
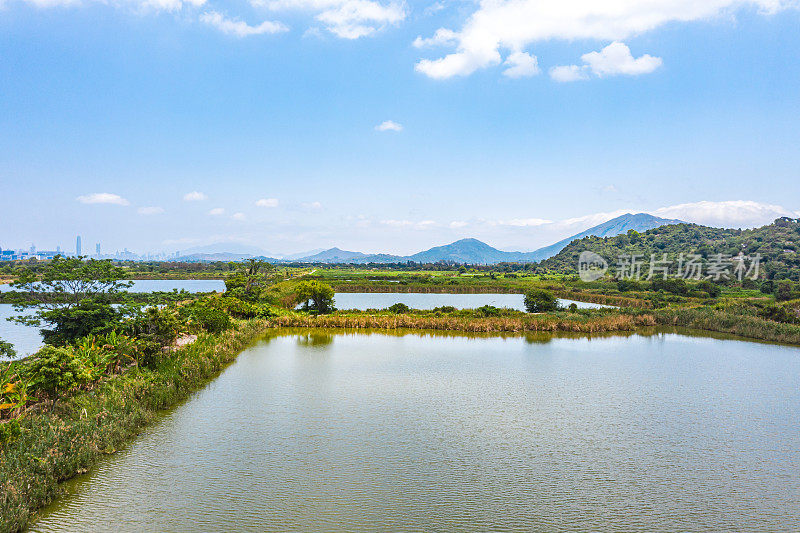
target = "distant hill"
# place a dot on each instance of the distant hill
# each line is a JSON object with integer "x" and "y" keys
{"x": 616, "y": 226}
{"x": 466, "y": 251}
{"x": 333, "y": 255}
{"x": 473, "y": 251}
{"x": 777, "y": 243}
{"x": 227, "y": 247}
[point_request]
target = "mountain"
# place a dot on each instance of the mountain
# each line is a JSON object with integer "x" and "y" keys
{"x": 473, "y": 251}
{"x": 639, "y": 222}
{"x": 227, "y": 247}
{"x": 333, "y": 255}
{"x": 777, "y": 244}
{"x": 466, "y": 251}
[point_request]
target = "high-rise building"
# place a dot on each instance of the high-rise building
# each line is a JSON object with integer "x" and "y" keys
{"x": 78, "y": 246}
{"x": 97, "y": 250}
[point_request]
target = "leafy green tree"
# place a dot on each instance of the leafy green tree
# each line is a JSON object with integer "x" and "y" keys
{"x": 315, "y": 296}
{"x": 71, "y": 295}
{"x": 784, "y": 291}
{"x": 250, "y": 280}
{"x": 540, "y": 301}
{"x": 7, "y": 350}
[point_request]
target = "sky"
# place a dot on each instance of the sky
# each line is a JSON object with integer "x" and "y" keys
{"x": 390, "y": 126}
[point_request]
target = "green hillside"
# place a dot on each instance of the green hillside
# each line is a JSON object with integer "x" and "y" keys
{"x": 777, "y": 244}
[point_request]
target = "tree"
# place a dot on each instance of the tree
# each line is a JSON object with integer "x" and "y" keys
{"x": 315, "y": 296}
{"x": 540, "y": 301}
{"x": 7, "y": 350}
{"x": 71, "y": 295}
{"x": 250, "y": 279}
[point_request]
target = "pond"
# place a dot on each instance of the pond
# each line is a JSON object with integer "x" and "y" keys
{"x": 166, "y": 285}
{"x": 382, "y": 300}
{"x": 323, "y": 431}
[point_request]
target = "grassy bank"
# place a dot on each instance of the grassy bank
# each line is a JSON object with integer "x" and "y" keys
{"x": 709, "y": 319}
{"x": 704, "y": 319}
{"x": 62, "y": 440}
{"x": 572, "y": 322}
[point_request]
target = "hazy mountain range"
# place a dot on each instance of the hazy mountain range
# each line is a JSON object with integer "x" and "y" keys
{"x": 471, "y": 251}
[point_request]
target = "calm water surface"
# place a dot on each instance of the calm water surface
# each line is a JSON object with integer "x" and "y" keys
{"x": 155, "y": 285}
{"x": 379, "y": 432}
{"x": 382, "y": 300}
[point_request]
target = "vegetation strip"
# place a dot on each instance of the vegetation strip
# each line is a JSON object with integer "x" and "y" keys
{"x": 67, "y": 438}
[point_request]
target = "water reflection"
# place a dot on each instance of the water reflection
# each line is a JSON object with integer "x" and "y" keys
{"x": 444, "y": 432}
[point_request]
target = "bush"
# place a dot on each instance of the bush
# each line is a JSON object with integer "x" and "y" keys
{"x": 54, "y": 371}
{"x": 445, "y": 309}
{"x": 210, "y": 319}
{"x": 712, "y": 289}
{"x": 487, "y": 311}
{"x": 398, "y": 308}
{"x": 540, "y": 301}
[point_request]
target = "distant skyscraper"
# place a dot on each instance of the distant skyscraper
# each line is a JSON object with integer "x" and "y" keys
{"x": 78, "y": 246}
{"x": 97, "y": 250}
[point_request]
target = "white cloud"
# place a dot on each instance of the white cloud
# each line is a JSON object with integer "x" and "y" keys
{"x": 194, "y": 196}
{"x": 421, "y": 225}
{"x": 267, "y": 202}
{"x": 567, "y": 73}
{"x": 521, "y": 65}
{"x": 238, "y": 216}
{"x": 442, "y": 37}
{"x": 217, "y": 211}
{"x": 458, "y": 224}
{"x": 513, "y": 25}
{"x": 139, "y": 5}
{"x": 312, "y": 205}
{"x": 348, "y": 19}
{"x": 524, "y": 222}
{"x": 614, "y": 59}
{"x": 389, "y": 125}
{"x": 103, "y": 198}
{"x": 150, "y": 210}
{"x": 731, "y": 213}
{"x": 240, "y": 28}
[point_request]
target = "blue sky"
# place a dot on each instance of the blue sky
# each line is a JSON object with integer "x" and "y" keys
{"x": 519, "y": 123}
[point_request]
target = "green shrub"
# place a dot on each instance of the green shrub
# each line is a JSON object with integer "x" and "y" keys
{"x": 210, "y": 319}
{"x": 55, "y": 371}
{"x": 540, "y": 301}
{"x": 398, "y": 308}
{"x": 487, "y": 311}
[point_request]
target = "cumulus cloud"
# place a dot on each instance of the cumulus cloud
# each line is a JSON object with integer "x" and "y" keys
{"x": 217, "y": 211}
{"x": 139, "y": 5}
{"x": 521, "y": 65}
{"x": 312, "y": 205}
{"x": 238, "y": 216}
{"x": 731, "y": 213}
{"x": 150, "y": 210}
{"x": 348, "y": 19}
{"x": 442, "y": 37}
{"x": 613, "y": 60}
{"x": 240, "y": 28}
{"x": 103, "y": 198}
{"x": 389, "y": 125}
{"x": 267, "y": 202}
{"x": 567, "y": 73}
{"x": 513, "y": 25}
{"x": 194, "y": 196}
